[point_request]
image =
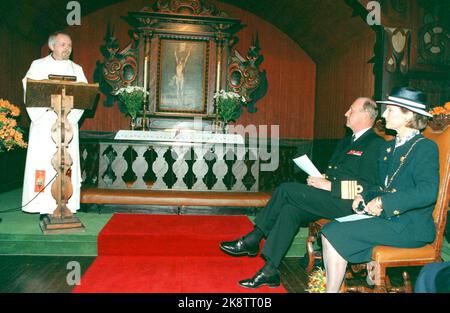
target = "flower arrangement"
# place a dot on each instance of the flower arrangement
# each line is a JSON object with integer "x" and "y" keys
{"x": 229, "y": 105}
{"x": 317, "y": 281}
{"x": 441, "y": 117}
{"x": 133, "y": 98}
{"x": 444, "y": 110}
{"x": 10, "y": 134}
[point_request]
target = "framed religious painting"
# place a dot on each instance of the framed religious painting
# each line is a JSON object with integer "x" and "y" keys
{"x": 182, "y": 79}
{"x": 182, "y": 51}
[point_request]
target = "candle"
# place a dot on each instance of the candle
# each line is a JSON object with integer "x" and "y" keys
{"x": 145, "y": 72}
{"x": 145, "y": 89}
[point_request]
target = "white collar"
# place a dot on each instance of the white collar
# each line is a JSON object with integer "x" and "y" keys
{"x": 50, "y": 56}
{"x": 360, "y": 133}
{"x": 401, "y": 141}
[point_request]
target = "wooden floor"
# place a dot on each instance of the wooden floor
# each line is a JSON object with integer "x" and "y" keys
{"x": 43, "y": 274}
{"x": 29, "y": 274}
{"x": 293, "y": 275}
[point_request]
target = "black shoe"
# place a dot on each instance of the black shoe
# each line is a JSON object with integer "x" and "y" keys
{"x": 239, "y": 248}
{"x": 261, "y": 279}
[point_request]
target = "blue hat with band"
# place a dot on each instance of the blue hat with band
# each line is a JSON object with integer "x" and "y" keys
{"x": 408, "y": 98}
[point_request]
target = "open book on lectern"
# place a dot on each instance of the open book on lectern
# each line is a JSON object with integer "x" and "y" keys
{"x": 307, "y": 166}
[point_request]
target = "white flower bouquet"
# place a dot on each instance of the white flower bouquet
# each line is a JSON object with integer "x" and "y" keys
{"x": 228, "y": 104}
{"x": 133, "y": 98}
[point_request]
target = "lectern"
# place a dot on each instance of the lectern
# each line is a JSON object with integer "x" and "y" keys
{"x": 62, "y": 96}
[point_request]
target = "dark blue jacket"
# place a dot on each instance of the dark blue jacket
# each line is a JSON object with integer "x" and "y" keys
{"x": 411, "y": 195}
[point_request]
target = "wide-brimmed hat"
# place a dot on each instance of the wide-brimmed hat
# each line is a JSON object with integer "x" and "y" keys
{"x": 408, "y": 98}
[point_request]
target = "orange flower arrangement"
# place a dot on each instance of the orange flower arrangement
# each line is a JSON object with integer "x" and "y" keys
{"x": 10, "y": 134}
{"x": 444, "y": 110}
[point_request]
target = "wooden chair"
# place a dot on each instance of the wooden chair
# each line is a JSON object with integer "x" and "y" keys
{"x": 313, "y": 235}
{"x": 384, "y": 257}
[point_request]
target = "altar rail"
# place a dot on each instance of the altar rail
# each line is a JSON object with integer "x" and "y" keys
{"x": 113, "y": 164}
{"x": 172, "y": 166}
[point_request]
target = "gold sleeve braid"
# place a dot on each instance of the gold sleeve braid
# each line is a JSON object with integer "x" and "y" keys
{"x": 350, "y": 189}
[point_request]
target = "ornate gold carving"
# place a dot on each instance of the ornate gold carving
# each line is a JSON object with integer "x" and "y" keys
{"x": 187, "y": 7}
{"x": 245, "y": 77}
{"x": 120, "y": 68}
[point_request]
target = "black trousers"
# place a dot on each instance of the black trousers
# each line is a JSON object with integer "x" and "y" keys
{"x": 293, "y": 205}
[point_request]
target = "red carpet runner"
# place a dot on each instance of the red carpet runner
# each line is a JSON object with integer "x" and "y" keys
{"x": 170, "y": 254}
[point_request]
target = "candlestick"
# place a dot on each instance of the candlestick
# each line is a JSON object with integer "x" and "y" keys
{"x": 145, "y": 90}
{"x": 218, "y": 82}
{"x": 145, "y": 72}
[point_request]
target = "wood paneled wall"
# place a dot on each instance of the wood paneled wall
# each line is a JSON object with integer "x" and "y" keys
{"x": 341, "y": 78}
{"x": 291, "y": 73}
{"x": 16, "y": 54}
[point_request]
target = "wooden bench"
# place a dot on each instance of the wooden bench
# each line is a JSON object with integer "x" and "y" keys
{"x": 179, "y": 199}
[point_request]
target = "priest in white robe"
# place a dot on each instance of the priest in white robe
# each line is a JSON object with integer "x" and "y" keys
{"x": 41, "y": 148}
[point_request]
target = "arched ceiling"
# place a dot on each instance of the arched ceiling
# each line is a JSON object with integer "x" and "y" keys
{"x": 318, "y": 26}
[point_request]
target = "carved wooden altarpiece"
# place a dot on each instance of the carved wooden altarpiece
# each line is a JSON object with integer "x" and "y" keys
{"x": 182, "y": 53}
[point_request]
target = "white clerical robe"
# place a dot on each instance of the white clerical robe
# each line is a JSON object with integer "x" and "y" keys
{"x": 41, "y": 147}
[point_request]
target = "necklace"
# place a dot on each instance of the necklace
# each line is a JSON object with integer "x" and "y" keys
{"x": 402, "y": 161}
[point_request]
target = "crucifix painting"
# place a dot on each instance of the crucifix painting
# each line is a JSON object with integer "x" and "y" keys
{"x": 182, "y": 79}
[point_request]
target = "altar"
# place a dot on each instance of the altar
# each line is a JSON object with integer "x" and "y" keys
{"x": 181, "y": 55}
{"x": 171, "y": 160}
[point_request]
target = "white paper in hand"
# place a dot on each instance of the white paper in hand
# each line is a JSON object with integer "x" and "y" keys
{"x": 306, "y": 165}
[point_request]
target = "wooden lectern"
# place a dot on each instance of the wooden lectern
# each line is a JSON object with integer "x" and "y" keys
{"x": 62, "y": 96}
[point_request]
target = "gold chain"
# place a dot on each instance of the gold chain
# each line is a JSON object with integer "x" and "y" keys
{"x": 402, "y": 161}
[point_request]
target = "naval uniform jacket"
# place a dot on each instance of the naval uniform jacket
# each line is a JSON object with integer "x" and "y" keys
{"x": 410, "y": 195}
{"x": 353, "y": 166}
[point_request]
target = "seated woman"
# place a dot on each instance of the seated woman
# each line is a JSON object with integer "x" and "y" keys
{"x": 402, "y": 205}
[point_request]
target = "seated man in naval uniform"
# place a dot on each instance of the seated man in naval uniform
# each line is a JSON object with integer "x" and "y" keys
{"x": 352, "y": 166}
